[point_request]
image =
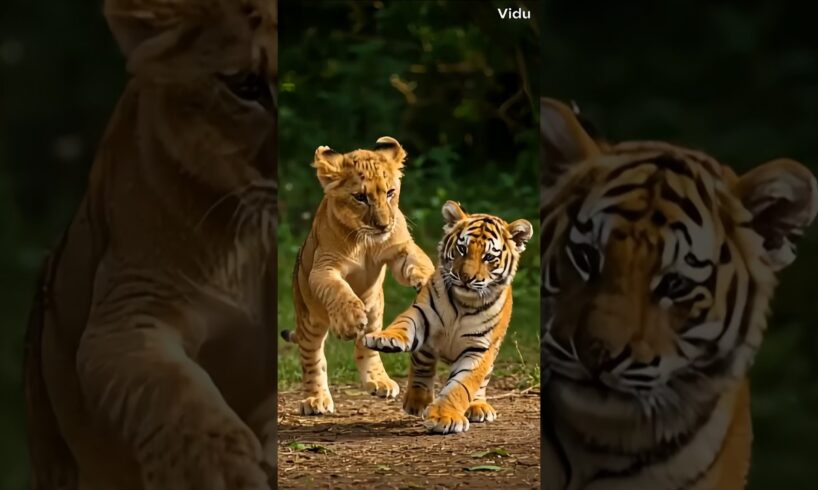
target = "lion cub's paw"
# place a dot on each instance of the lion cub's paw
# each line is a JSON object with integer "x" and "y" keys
{"x": 481, "y": 411}
{"x": 418, "y": 275}
{"x": 441, "y": 419}
{"x": 383, "y": 387}
{"x": 348, "y": 319}
{"x": 416, "y": 400}
{"x": 218, "y": 457}
{"x": 319, "y": 404}
{"x": 387, "y": 341}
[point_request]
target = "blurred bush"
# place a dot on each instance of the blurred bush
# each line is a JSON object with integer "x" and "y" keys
{"x": 453, "y": 84}
{"x": 741, "y": 83}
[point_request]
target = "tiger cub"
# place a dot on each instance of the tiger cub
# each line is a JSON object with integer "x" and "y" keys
{"x": 659, "y": 265}
{"x": 461, "y": 317}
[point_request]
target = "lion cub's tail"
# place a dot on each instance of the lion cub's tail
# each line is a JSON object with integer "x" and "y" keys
{"x": 289, "y": 336}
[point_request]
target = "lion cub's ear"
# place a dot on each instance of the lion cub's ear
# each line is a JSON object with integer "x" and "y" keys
{"x": 452, "y": 213}
{"x": 328, "y": 165}
{"x": 391, "y": 149}
{"x": 147, "y": 30}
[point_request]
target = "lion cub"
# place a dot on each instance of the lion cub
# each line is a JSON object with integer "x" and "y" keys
{"x": 358, "y": 230}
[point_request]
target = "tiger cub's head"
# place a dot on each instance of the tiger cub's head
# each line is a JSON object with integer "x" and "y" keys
{"x": 479, "y": 253}
{"x": 658, "y": 268}
{"x": 362, "y": 187}
{"x": 203, "y": 77}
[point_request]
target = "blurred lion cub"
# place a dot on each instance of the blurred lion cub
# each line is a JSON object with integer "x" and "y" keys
{"x": 338, "y": 281}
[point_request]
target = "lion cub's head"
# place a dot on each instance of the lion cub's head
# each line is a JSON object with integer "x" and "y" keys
{"x": 362, "y": 187}
{"x": 203, "y": 77}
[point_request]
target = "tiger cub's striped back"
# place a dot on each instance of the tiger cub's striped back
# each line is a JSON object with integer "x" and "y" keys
{"x": 460, "y": 317}
{"x": 658, "y": 268}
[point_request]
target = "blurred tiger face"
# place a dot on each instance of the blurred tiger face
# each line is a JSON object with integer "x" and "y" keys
{"x": 658, "y": 263}
{"x": 362, "y": 188}
{"x": 479, "y": 252}
{"x": 636, "y": 271}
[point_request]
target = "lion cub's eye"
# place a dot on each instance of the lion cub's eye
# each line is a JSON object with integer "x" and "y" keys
{"x": 360, "y": 197}
{"x": 390, "y": 193}
{"x": 249, "y": 86}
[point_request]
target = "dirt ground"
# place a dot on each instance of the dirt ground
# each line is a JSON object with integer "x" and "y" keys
{"x": 370, "y": 443}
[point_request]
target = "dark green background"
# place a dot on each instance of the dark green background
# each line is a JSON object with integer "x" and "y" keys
{"x": 454, "y": 85}
{"x": 740, "y": 83}
{"x": 61, "y": 74}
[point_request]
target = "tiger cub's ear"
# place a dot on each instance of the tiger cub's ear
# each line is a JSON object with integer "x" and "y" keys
{"x": 452, "y": 213}
{"x": 782, "y": 196}
{"x": 391, "y": 149}
{"x": 564, "y": 141}
{"x": 521, "y": 232}
{"x": 328, "y": 165}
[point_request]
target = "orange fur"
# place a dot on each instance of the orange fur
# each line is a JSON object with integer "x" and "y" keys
{"x": 460, "y": 316}
{"x": 658, "y": 267}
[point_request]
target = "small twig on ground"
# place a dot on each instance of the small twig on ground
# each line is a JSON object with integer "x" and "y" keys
{"x": 514, "y": 393}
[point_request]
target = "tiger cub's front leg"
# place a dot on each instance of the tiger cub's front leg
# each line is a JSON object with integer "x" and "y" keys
{"x": 480, "y": 410}
{"x": 421, "y": 384}
{"x": 448, "y": 412}
{"x": 403, "y": 336}
{"x": 406, "y": 333}
{"x": 370, "y": 367}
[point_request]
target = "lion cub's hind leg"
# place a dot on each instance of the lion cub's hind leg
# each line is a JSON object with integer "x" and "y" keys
{"x": 311, "y": 337}
{"x": 370, "y": 367}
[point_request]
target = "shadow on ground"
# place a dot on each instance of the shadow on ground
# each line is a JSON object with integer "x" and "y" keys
{"x": 371, "y": 443}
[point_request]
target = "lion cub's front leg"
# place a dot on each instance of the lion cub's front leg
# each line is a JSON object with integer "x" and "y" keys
{"x": 411, "y": 266}
{"x": 346, "y": 312}
{"x": 136, "y": 377}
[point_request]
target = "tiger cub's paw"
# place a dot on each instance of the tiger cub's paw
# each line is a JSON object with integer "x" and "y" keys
{"x": 416, "y": 400}
{"x": 389, "y": 340}
{"x": 441, "y": 419}
{"x": 348, "y": 319}
{"x": 383, "y": 387}
{"x": 319, "y": 404}
{"x": 481, "y": 411}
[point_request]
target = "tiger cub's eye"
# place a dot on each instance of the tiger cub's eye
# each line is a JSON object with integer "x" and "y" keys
{"x": 674, "y": 286}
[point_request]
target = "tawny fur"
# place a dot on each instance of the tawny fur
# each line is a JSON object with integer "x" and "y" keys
{"x": 150, "y": 360}
{"x": 358, "y": 232}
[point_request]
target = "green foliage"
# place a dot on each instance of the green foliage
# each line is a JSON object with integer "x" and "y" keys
{"x": 426, "y": 74}
{"x": 739, "y": 83}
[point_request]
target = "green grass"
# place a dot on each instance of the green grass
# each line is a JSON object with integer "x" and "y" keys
{"x": 519, "y": 355}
